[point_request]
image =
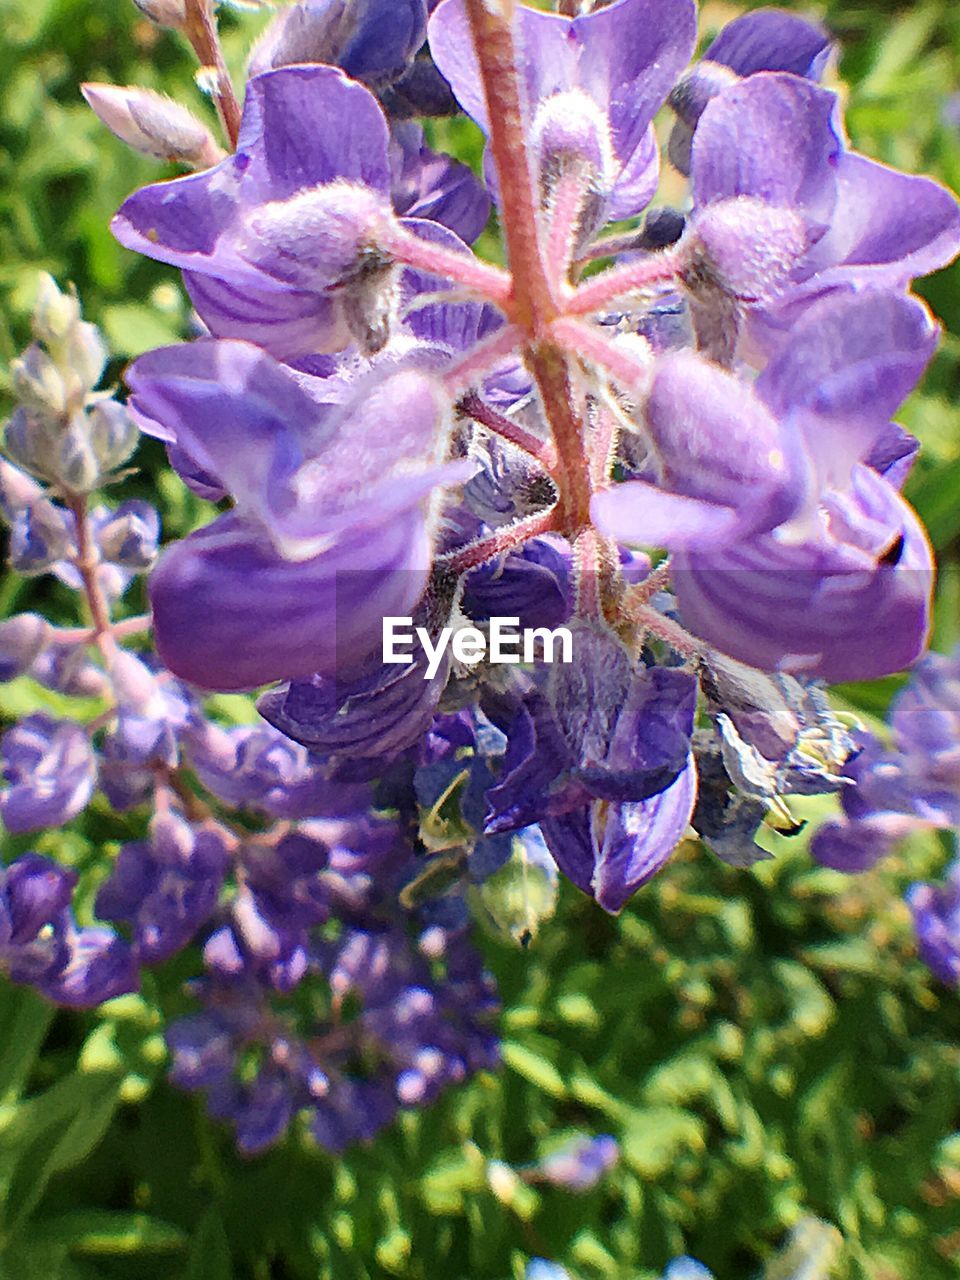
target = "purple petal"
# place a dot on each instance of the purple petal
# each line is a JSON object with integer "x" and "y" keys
{"x": 853, "y": 609}
{"x": 773, "y": 137}
{"x": 640, "y": 837}
{"x": 772, "y": 40}
{"x": 230, "y": 613}
{"x": 302, "y": 127}
{"x": 852, "y": 359}
{"x": 890, "y": 227}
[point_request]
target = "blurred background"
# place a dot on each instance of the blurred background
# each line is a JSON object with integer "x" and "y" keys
{"x": 763, "y": 1045}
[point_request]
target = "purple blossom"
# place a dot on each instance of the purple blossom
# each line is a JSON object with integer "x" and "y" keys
{"x": 912, "y": 785}
{"x": 330, "y": 531}
{"x": 593, "y": 85}
{"x": 49, "y": 768}
{"x": 936, "y": 919}
{"x": 580, "y": 1163}
{"x": 167, "y": 887}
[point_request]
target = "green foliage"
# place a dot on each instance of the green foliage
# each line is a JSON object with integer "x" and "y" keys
{"x": 764, "y": 1044}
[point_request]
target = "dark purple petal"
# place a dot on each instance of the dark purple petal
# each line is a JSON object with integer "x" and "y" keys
{"x": 640, "y": 837}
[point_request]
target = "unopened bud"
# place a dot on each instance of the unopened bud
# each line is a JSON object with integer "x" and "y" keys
{"x": 113, "y": 433}
{"x": 130, "y": 538}
{"x": 21, "y": 640}
{"x": 154, "y": 124}
{"x": 55, "y": 314}
{"x": 571, "y": 135}
{"x": 171, "y": 838}
{"x": 31, "y": 441}
{"x": 40, "y": 536}
{"x": 67, "y": 669}
{"x": 17, "y": 490}
{"x": 86, "y": 355}
{"x": 165, "y": 13}
{"x": 38, "y": 383}
{"x": 134, "y": 684}
{"x": 76, "y": 466}
{"x": 568, "y": 127}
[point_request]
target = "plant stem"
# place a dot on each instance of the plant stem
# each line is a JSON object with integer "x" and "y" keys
{"x": 505, "y": 539}
{"x": 87, "y": 564}
{"x": 506, "y": 429}
{"x": 201, "y": 30}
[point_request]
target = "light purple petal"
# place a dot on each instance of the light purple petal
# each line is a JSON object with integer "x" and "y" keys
{"x": 771, "y": 136}
{"x": 890, "y": 226}
{"x": 824, "y": 607}
{"x": 230, "y": 613}
{"x": 851, "y": 361}
{"x": 640, "y": 514}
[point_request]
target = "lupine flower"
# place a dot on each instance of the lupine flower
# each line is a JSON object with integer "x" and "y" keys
{"x": 593, "y": 85}
{"x": 329, "y": 534}
{"x": 816, "y": 539}
{"x": 912, "y": 785}
{"x": 936, "y": 919}
{"x": 49, "y": 768}
{"x": 579, "y": 1164}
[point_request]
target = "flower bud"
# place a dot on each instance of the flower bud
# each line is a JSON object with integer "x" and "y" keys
{"x": 165, "y": 13}
{"x": 86, "y": 355}
{"x": 570, "y": 129}
{"x": 40, "y": 536}
{"x": 38, "y": 383}
{"x": 76, "y": 465}
{"x": 21, "y": 640}
{"x": 17, "y": 490}
{"x": 130, "y": 538}
{"x": 113, "y": 433}
{"x": 154, "y": 124}
{"x": 31, "y": 441}
{"x": 134, "y": 684}
{"x": 55, "y": 314}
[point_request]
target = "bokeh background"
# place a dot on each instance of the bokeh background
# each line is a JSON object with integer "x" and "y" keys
{"x": 763, "y": 1044}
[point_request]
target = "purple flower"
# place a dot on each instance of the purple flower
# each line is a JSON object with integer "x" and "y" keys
{"x": 330, "y": 531}
{"x": 580, "y": 1163}
{"x": 168, "y": 887}
{"x": 765, "y": 40}
{"x": 50, "y": 769}
{"x": 913, "y": 785}
{"x": 769, "y": 161}
{"x": 96, "y": 966}
{"x": 256, "y": 767}
{"x": 936, "y": 919}
{"x": 593, "y": 85}
{"x": 22, "y": 640}
{"x": 374, "y": 41}
{"x": 34, "y": 894}
{"x": 828, "y": 541}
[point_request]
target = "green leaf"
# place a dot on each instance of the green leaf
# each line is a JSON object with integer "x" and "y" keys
{"x": 534, "y": 1067}
{"x": 100, "y": 1231}
{"x": 656, "y": 1136}
{"x": 210, "y": 1257}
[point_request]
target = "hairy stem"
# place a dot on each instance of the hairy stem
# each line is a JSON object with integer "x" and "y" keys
{"x": 477, "y": 553}
{"x": 201, "y": 30}
{"x": 620, "y": 282}
{"x": 87, "y": 564}
{"x": 473, "y": 407}
{"x": 489, "y": 282}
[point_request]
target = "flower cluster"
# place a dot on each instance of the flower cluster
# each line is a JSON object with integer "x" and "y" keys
{"x": 686, "y": 459}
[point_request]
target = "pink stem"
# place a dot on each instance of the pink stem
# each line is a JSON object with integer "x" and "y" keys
{"x": 657, "y": 580}
{"x": 201, "y": 30}
{"x": 490, "y": 282}
{"x": 480, "y": 359}
{"x": 513, "y": 535}
{"x": 669, "y": 631}
{"x": 632, "y": 277}
{"x": 584, "y": 340}
{"x": 501, "y": 426}
{"x": 565, "y": 210}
